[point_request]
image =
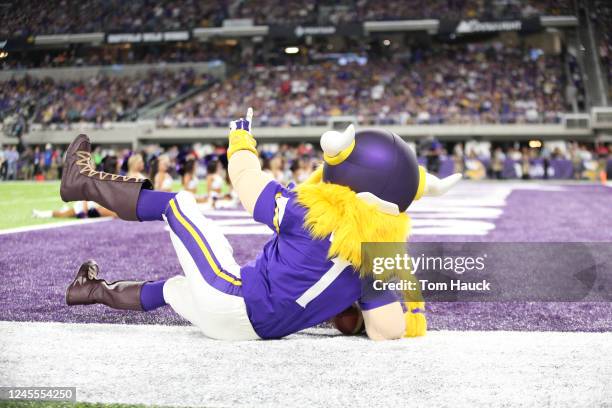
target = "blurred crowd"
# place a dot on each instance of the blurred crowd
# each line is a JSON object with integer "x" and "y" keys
{"x": 201, "y": 168}
{"x": 457, "y": 9}
{"x": 449, "y": 84}
{"x": 19, "y": 18}
{"x": 75, "y": 56}
{"x": 83, "y": 16}
{"x": 479, "y": 160}
{"x": 98, "y": 99}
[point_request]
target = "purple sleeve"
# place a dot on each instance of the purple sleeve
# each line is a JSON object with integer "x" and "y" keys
{"x": 265, "y": 207}
{"x": 372, "y": 298}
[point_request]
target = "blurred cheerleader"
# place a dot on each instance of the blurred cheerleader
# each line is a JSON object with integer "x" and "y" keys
{"x": 135, "y": 166}
{"x": 79, "y": 209}
{"x": 214, "y": 181}
{"x": 189, "y": 179}
{"x": 162, "y": 180}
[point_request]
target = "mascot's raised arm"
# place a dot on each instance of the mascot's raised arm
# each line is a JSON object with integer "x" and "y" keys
{"x": 309, "y": 270}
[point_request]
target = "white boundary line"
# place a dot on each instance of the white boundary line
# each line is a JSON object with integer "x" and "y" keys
{"x": 61, "y": 224}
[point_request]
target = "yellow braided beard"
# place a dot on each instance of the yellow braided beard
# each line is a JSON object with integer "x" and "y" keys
{"x": 336, "y": 209}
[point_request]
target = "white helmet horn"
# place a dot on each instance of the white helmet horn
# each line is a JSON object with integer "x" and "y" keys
{"x": 334, "y": 142}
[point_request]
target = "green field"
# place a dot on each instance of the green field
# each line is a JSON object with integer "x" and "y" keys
{"x": 19, "y": 198}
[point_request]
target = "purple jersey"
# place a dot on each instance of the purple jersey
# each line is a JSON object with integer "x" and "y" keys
{"x": 292, "y": 285}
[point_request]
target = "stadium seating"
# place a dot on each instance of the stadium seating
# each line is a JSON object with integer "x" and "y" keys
{"x": 99, "y": 99}
{"x": 429, "y": 87}
{"x": 74, "y": 16}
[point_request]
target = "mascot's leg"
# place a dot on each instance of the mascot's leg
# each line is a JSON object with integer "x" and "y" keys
{"x": 212, "y": 275}
{"x": 178, "y": 294}
{"x": 87, "y": 289}
{"x": 129, "y": 197}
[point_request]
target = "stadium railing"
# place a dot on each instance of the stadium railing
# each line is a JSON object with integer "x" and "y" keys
{"x": 133, "y": 133}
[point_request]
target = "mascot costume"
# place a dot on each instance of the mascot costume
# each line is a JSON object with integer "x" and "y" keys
{"x": 308, "y": 272}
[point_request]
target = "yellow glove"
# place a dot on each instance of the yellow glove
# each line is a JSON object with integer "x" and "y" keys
{"x": 240, "y": 137}
{"x": 416, "y": 322}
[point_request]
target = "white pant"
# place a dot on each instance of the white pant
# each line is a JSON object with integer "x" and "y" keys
{"x": 218, "y": 314}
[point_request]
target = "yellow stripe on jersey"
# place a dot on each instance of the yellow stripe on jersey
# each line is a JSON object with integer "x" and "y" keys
{"x": 202, "y": 246}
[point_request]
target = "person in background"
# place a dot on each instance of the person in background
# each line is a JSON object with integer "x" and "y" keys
{"x": 79, "y": 209}
{"x": 497, "y": 164}
{"x": 37, "y": 162}
{"x": 433, "y": 156}
{"x": 526, "y": 164}
{"x": 2, "y": 164}
{"x": 27, "y": 166}
{"x": 474, "y": 169}
{"x": 97, "y": 157}
{"x": 545, "y": 154}
{"x": 162, "y": 180}
{"x": 60, "y": 162}
{"x": 135, "y": 166}
{"x": 214, "y": 181}
{"x": 110, "y": 164}
{"x": 189, "y": 180}
{"x": 48, "y": 161}
{"x": 458, "y": 158}
{"x": 275, "y": 167}
{"x": 298, "y": 174}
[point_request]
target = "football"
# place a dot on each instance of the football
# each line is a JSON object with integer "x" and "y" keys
{"x": 350, "y": 321}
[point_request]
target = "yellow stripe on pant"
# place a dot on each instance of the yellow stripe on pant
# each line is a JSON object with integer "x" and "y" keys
{"x": 202, "y": 246}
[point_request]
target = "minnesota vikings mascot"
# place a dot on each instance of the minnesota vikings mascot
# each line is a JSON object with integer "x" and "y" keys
{"x": 305, "y": 274}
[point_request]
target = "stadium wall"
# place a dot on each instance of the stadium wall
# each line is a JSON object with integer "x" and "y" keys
{"x": 147, "y": 131}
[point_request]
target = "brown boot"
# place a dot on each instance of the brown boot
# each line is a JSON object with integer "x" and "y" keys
{"x": 80, "y": 181}
{"x": 86, "y": 289}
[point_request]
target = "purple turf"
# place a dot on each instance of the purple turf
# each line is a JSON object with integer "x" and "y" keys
{"x": 37, "y": 266}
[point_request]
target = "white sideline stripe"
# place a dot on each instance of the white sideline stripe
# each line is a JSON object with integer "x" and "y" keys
{"x": 178, "y": 366}
{"x": 225, "y": 213}
{"x": 27, "y": 200}
{"x": 61, "y": 224}
{"x": 228, "y": 222}
{"x": 263, "y": 230}
{"x": 322, "y": 284}
{"x": 246, "y": 230}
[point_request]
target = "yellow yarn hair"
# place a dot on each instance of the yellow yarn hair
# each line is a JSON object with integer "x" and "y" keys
{"x": 335, "y": 209}
{"x": 416, "y": 323}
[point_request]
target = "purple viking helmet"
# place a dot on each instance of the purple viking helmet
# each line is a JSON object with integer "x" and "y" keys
{"x": 375, "y": 163}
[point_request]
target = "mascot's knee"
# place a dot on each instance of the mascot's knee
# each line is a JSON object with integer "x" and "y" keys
{"x": 174, "y": 289}
{"x": 186, "y": 200}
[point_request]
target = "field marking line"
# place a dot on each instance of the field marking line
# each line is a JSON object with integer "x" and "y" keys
{"x": 61, "y": 224}
{"x": 28, "y": 201}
